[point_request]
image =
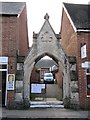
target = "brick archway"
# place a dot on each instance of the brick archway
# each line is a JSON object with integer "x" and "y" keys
{"x": 46, "y": 42}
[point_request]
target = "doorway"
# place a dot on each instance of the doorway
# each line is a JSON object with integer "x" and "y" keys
{"x": 3, "y": 77}
{"x": 45, "y": 90}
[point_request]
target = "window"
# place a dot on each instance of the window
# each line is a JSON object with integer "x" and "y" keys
{"x": 3, "y": 66}
{"x": 88, "y": 81}
{"x": 88, "y": 85}
{"x": 88, "y": 70}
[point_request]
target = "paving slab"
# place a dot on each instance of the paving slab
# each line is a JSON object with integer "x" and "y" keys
{"x": 45, "y": 113}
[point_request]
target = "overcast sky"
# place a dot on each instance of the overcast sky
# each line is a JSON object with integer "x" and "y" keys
{"x": 36, "y": 10}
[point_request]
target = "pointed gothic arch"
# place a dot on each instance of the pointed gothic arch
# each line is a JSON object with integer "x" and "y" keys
{"x": 46, "y": 43}
{"x": 46, "y": 54}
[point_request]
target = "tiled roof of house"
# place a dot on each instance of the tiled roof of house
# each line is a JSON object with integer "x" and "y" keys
{"x": 11, "y": 8}
{"x": 80, "y": 15}
{"x": 45, "y": 63}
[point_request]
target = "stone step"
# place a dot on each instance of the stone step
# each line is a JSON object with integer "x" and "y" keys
{"x": 47, "y": 104}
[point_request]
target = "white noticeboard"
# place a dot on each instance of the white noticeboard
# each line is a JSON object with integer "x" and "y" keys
{"x": 83, "y": 51}
{"x": 37, "y": 88}
{"x": 10, "y": 82}
{"x": 86, "y": 64}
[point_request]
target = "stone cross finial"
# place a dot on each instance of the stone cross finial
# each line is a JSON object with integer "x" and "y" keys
{"x": 46, "y": 16}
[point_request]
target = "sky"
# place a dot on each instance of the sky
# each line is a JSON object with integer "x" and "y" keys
{"x": 36, "y": 10}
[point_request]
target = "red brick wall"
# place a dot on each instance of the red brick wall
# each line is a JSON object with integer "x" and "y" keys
{"x": 35, "y": 76}
{"x": 68, "y": 37}
{"x": 23, "y": 33}
{"x": 58, "y": 77}
{"x": 71, "y": 42}
{"x": 10, "y": 97}
{"x": 9, "y": 41}
{"x": 83, "y": 37}
{"x": 9, "y": 35}
{"x": 88, "y": 47}
{"x": 9, "y": 46}
{"x": 14, "y": 37}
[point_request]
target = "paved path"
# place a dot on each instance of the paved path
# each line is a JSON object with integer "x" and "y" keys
{"x": 45, "y": 113}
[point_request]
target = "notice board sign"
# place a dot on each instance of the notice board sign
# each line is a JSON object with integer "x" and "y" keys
{"x": 11, "y": 80}
{"x": 37, "y": 88}
{"x": 83, "y": 51}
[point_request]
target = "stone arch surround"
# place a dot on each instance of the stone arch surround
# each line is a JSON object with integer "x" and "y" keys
{"x": 46, "y": 42}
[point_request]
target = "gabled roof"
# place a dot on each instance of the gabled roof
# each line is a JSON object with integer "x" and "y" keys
{"x": 45, "y": 63}
{"x": 11, "y": 8}
{"x": 47, "y": 25}
{"x": 80, "y": 15}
